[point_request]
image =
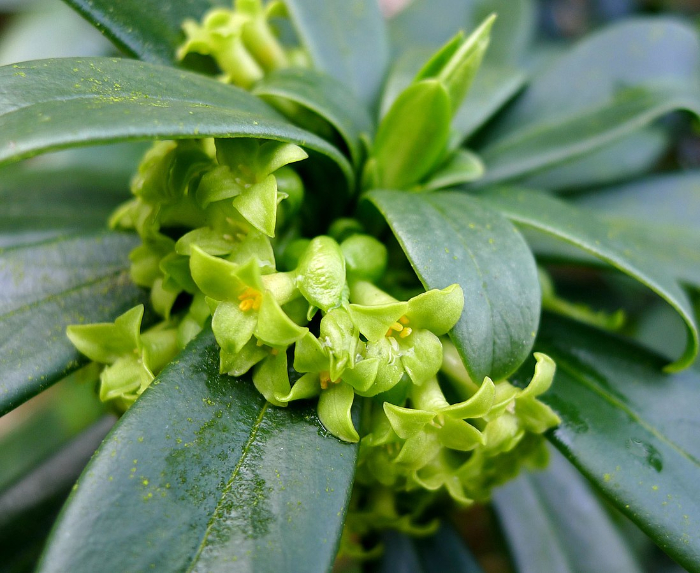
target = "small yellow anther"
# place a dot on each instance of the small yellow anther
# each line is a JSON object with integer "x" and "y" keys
{"x": 403, "y": 320}
{"x": 397, "y": 326}
{"x": 406, "y": 332}
{"x": 246, "y": 305}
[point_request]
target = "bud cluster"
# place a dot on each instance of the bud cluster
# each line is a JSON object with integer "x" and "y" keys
{"x": 312, "y": 318}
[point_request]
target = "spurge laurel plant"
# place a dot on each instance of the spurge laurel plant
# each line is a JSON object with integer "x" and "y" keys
{"x": 318, "y": 316}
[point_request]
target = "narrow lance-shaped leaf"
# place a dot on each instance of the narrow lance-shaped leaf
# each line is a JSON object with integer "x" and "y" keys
{"x": 325, "y": 96}
{"x": 449, "y": 238}
{"x": 143, "y": 28}
{"x": 53, "y": 104}
{"x": 587, "y": 232}
{"x": 46, "y": 287}
{"x": 586, "y": 100}
{"x": 346, "y": 39}
{"x": 555, "y": 524}
{"x": 630, "y": 429}
{"x": 220, "y": 479}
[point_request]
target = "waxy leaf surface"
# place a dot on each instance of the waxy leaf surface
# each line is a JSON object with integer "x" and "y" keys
{"x": 453, "y": 238}
{"x": 597, "y": 237}
{"x": 586, "y": 99}
{"x": 630, "y": 429}
{"x": 555, "y": 524}
{"x": 324, "y": 96}
{"x": 53, "y": 104}
{"x": 44, "y": 288}
{"x": 220, "y": 481}
{"x": 150, "y": 30}
{"x": 346, "y": 39}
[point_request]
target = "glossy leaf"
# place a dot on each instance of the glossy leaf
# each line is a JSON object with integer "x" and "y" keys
{"x": 548, "y": 144}
{"x": 594, "y": 236}
{"x": 514, "y": 30}
{"x": 554, "y": 523}
{"x": 671, "y": 200}
{"x": 220, "y": 480}
{"x": 97, "y": 179}
{"x": 629, "y": 157}
{"x": 29, "y": 508}
{"x": 346, "y": 39}
{"x": 586, "y": 100}
{"x": 143, "y": 28}
{"x": 42, "y": 426}
{"x": 71, "y": 102}
{"x": 452, "y": 238}
{"x": 651, "y": 52}
{"x": 630, "y": 429}
{"x": 324, "y": 96}
{"x": 444, "y": 551}
{"x": 46, "y": 287}
{"x": 429, "y": 23}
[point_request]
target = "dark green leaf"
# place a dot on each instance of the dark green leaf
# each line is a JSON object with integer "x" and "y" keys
{"x": 586, "y": 99}
{"x": 670, "y": 200}
{"x": 630, "y": 429}
{"x": 554, "y": 141}
{"x": 656, "y": 51}
{"x": 96, "y": 179}
{"x": 29, "y": 508}
{"x": 513, "y": 31}
{"x": 219, "y": 480}
{"x": 453, "y": 238}
{"x": 324, "y": 96}
{"x": 446, "y": 551}
{"x": 493, "y": 87}
{"x": 629, "y": 157}
{"x": 52, "y": 104}
{"x": 429, "y": 24}
{"x": 147, "y": 29}
{"x": 555, "y": 524}
{"x": 593, "y": 235}
{"x": 41, "y": 426}
{"x": 440, "y": 553}
{"x": 346, "y": 39}
{"x": 46, "y": 287}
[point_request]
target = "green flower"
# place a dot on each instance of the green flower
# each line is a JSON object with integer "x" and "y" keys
{"x": 245, "y": 174}
{"x": 406, "y": 331}
{"x": 333, "y": 369}
{"x": 240, "y": 41}
{"x": 133, "y": 358}
{"x": 247, "y": 309}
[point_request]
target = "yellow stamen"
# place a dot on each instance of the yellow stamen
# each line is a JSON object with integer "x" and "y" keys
{"x": 406, "y": 332}
{"x": 274, "y": 352}
{"x": 251, "y": 299}
{"x": 246, "y": 305}
{"x": 325, "y": 378}
{"x": 397, "y": 326}
{"x": 403, "y": 320}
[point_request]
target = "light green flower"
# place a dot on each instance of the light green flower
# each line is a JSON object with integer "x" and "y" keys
{"x": 406, "y": 331}
{"x": 245, "y": 174}
{"x": 133, "y": 359}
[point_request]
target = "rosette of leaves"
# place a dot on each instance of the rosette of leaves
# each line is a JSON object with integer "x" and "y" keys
{"x": 530, "y": 168}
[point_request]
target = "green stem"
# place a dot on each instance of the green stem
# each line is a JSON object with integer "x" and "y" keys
{"x": 454, "y": 369}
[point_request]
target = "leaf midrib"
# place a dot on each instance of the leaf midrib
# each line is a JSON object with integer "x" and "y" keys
{"x": 229, "y": 485}
{"x": 61, "y": 294}
{"x": 616, "y": 403}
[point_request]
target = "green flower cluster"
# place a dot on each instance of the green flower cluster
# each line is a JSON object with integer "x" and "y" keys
{"x": 306, "y": 318}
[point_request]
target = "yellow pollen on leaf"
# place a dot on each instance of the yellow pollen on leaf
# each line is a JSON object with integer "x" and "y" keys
{"x": 251, "y": 299}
